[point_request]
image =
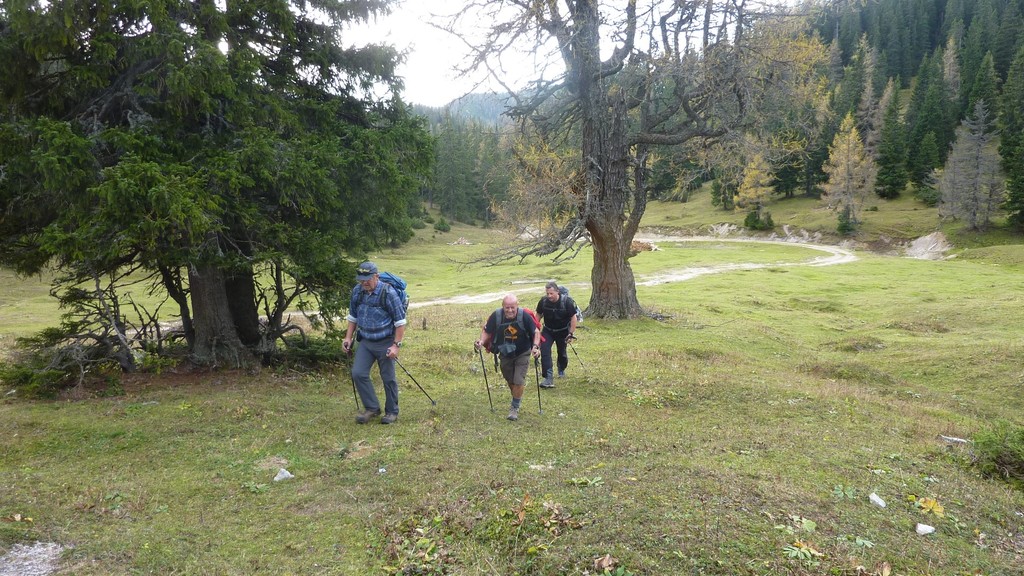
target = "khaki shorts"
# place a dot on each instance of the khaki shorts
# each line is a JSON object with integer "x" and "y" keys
{"x": 515, "y": 368}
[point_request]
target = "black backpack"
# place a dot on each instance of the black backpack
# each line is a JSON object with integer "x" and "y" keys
{"x": 565, "y": 293}
{"x": 498, "y": 343}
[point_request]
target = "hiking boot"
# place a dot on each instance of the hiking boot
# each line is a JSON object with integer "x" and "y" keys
{"x": 365, "y": 416}
{"x": 547, "y": 383}
{"x": 561, "y": 373}
{"x": 389, "y": 418}
{"x": 513, "y": 414}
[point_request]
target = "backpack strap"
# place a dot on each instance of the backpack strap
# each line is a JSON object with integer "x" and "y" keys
{"x": 383, "y": 295}
{"x": 499, "y": 320}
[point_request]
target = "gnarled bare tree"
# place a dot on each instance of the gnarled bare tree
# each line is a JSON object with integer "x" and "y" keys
{"x": 674, "y": 71}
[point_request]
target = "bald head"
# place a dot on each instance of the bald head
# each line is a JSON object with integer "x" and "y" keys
{"x": 510, "y": 305}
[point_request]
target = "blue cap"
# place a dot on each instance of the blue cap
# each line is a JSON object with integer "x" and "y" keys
{"x": 366, "y": 271}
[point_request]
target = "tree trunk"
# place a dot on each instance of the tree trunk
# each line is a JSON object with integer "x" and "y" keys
{"x": 171, "y": 280}
{"x": 241, "y": 298}
{"x": 606, "y": 161}
{"x": 614, "y": 288}
{"x": 217, "y": 342}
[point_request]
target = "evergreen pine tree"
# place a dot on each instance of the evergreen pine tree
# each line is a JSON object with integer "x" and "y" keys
{"x": 1011, "y": 144}
{"x": 892, "y": 150}
{"x": 849, "y": 31}
{"x": 892, "y": 41}
{"x": 985, "y": 86}
{"x": 231, "y": 153}
{"x": 983, "y": 28}
{"x": 923, "y": 159}
{"x": 929, "y": 112}
{"x": 848, "y": 92}
{"x": 1009, "y": 38}
{"x": 955, "y": 15}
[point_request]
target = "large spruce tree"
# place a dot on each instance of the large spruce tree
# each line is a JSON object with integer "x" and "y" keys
{"x": 207, "y": 144}
{"x": 1011, "y": 144}
{"x": 892, "y": 150}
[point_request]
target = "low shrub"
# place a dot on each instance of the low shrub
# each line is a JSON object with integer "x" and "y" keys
{"x": 928, "y": 195}
{"x": 310, "y": 353}
{"x": 33, "y": 382}
{"x": 759, "y": 220}
{"x": 847, "y": 224}
{"x": 999, "y": 453}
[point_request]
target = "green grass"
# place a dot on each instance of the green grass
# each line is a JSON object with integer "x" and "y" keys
{"x": 900, "y": 219}
{"x": 701, "y": 444}
{"x": 25, "y": 306}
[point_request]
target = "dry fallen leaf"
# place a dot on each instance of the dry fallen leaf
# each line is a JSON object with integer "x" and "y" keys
{"x": 931, "y": 505}
{"x": 604, "y": 563}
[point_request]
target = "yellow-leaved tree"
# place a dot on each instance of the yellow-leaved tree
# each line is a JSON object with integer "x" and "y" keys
{"x": 754, "y": 191}
{"x": 851, "y": 175}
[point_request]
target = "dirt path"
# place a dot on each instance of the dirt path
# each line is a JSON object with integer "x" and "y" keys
{"x": 835, "y": 255}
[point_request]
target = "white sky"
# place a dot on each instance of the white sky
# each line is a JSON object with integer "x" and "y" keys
{"x": 428, "y": 71}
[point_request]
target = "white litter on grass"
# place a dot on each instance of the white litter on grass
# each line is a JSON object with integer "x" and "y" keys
{"x": 39, "y": 559}
{"x": 381, "y": 470}
{"x": 876, "y": 500}
{"x": 541, "y": 467}
{"x": 924, "y": 529}
{"x": 283, "y": 474}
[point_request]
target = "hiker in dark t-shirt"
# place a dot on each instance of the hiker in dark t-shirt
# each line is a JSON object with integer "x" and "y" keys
{"x": 558, "y": 313}
{"x": 513, "y": 334}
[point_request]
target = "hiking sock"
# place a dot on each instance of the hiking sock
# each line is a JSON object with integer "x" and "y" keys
{"x": 516, "y": 402}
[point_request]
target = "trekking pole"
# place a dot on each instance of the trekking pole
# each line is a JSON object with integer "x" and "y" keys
{"x": 486, "y": 383}
{"x": 576, "y": 353}
{"x": 536, "y": 372}
{"x": 397, "y": 361}
{"x": 353, "y": 379}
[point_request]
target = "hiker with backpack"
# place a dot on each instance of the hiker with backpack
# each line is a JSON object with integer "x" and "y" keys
{"x": 560, "y": 315}
{"x": 514, "y": 334}
{"x": 376, "y": 318}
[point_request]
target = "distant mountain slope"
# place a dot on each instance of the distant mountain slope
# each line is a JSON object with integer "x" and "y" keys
{"x": 486, "y": 108}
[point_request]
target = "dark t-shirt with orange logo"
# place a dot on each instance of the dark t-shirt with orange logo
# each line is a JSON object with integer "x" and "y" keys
{"x": 511, "y": 337}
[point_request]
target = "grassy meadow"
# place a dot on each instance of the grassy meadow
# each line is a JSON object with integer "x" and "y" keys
{"x": 741, "y": 434}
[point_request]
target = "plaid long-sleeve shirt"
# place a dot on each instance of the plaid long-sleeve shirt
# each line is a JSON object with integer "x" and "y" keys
{"x": 377, "y": 313}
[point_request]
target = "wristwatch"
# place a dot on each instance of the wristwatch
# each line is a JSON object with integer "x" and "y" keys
{"x": 398, "y": 344}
